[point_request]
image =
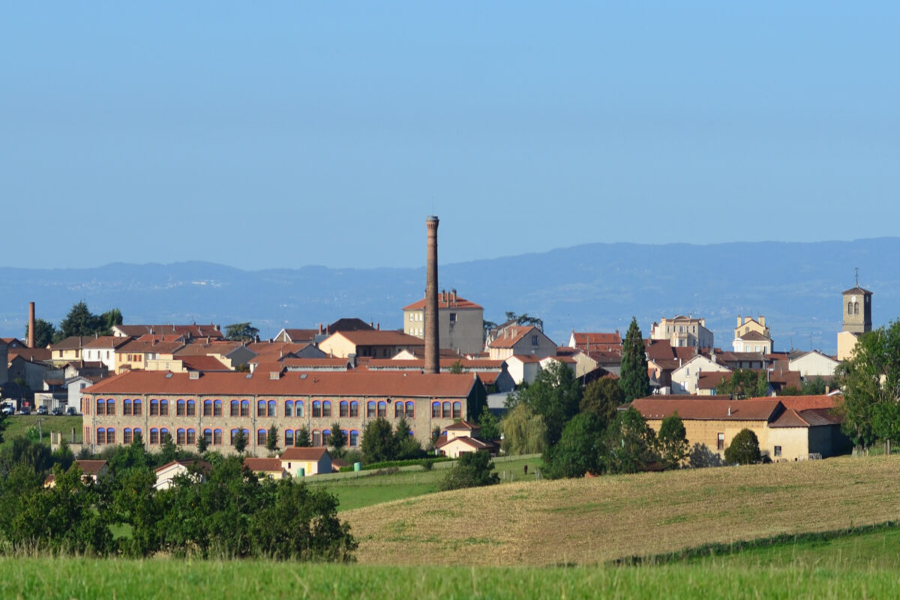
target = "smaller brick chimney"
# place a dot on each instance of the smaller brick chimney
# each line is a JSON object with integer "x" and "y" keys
{"x": 31, "y": 324}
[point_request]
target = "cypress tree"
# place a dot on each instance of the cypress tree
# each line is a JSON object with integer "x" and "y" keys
{"x": 634, "y": 380}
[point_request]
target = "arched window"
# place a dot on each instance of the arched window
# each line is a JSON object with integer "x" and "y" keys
{"x": 101, "y": 409}
{"x": 179, "y": 408}
{"x": 126, "y": 436}
{"x": 217, "y": 408}
{"x": 261, "y": 408}
{"x": 316, "y": 409}
{"x": 849, "y": 308}
{"x": 410, "y": 410}
{"x": 207, "y": 408}
{"x": 354, "y": 438}
{"x": 446, "y": 410}
{"x": 235, "y": 408}
{"x": 272, "y": 412}
{"x": 154, "y": 407}
{"x": 288, "y": 438}
{"x": 435, "y": 410}
{"x": 346, "y": 436}
{"x": 163, "y": 432}
{"x": 217, "y": 437}
{"x": 245, "y": 408}
{"x": 164, "y": 408}
{"x": 179, "y": 437}
{"x": 136, "y": 408}
{"x": 191, "y": 437}
{"x": 234, "y": 433}
{"x": 126, "y": 408}
{"x": 110, "y": 408}
{"x": 261, "y": 437}
{"x": 344, "y": 409}
{"x": 154, "y": 436}
{"x": 191, "y": 408}
{"x": 288, "y": 408}
{"x": 398, "y": 410}
{"x": 316, "y": 437}
{"x": 110, "y": 436}
{"x": 101, "y": 435}
{"x": 370, "y": 409}
{"x": 856, "y": 308}
{"x": 298, "y": 408}
{"x": 326, "y": 437}
{"x": 382, "y": 409}
{"x": 207, "y": 435}
{"x": 457, "y": 410}
{"x": 354, "y": 409}
{"x": 326, "y": 408}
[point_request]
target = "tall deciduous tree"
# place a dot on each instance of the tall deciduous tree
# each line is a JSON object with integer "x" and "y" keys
{"x": 44, "y": 332}
{"x": 744, "y": 449}
{"x": 744, "y": 383}
{"x": 630, "y": 443}
{"x": 555, "y": 395}
{"x": 379, "y": 443}
{"x": 272, "y": 439}
{"x": 490, "y": 425}
{"x": 580, "y": 448}
{"x": 672, "y": 441}
{"x": 634, "y": 379}
{"x": 80, "y": 321}
{"x": 524, "y": 432}
{"x": 241, "y": 332}
{"x": 602, "y": 398}
{"x": 337, "y": 441}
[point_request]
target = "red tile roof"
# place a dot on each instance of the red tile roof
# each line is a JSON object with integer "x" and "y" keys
{"x": 712, "y": 379}
{"x": 801, "y": 403}
{"x": 446, "y": 363}
{"x": 586, "y": 340}
{"x": 147, "y": 347}
{"x": 105, "y": 342}
{"x": 198, "y": 348}
{"x": 203, "y": 363}
{"x": 196, "y": 331}
{"x": 525, "y": 358}
{"x": 30, "y": 354}
{"x": 291, "y": 383}
{"x": 91, "y": 467}
{"x": 376, "y": 337}
{"x": 516, "y": 334}
{"x": 460, "y": 303}
{"x": 297, "y": 453}
{"x": 301, "y": 335}
{"x": 709, "y": 410}
{"x": 462, "y": 426}
{"x": 264, "y": 465}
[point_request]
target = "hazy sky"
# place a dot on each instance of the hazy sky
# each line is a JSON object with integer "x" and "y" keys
{"x": 286, "y": 134}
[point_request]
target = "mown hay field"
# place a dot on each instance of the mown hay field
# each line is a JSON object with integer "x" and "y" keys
{"x": 591, "y": 521}
{"x": 83, "y": 579}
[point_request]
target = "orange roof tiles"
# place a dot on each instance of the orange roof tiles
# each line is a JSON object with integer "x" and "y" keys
{"x": 445, "y": 301}
{"x": 516, "y": 335}
{"x": 264, "y": 465}
{"x": 376, "y": 337}
{"x": 297, "y": 453}
{"x": 712, "y": 410}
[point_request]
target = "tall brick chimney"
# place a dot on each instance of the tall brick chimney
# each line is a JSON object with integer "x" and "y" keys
{"x": 31, "y": 324}
{"x": 432, "y": 331}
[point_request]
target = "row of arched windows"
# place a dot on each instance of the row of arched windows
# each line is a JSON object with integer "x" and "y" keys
{"x": 264, "y": 408}
{"x": 853, "y": 308}
{"x": 446, "y": 410}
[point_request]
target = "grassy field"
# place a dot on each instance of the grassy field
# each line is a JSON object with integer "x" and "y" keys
{"x": 592, "y": 521}
{"x": 17, "y": 425}
{"x": 376, "y": 489}
{"x": 161, "y": 578}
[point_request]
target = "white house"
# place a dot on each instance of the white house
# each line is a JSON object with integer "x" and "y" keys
{"x": 813, "y": 364}
{"x": 685, "y": 378}
{"x": 311, "y": 461}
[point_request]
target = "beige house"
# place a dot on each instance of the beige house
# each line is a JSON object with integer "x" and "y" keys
{"x": 813, "y": 364}
{"x": 303, "y": 462}
{"x": 67, "y": 350}
{"x": 751, "y": 335}
{"x": 270, "y": 468}
{"x": 523, "y": 368}
{"x": 683, "y": 332}
{"x": 596, "y": 341}
{"x": 462, "y": 438}
{"x": 368, "y": 343}
{"x": 138, "y": 354}
{"x": 103, "y": 350}
{"x": 522, "y": 340}
{"x": 460, "y": 322}
{"x": 685, "y": 379}
{"x": 166, "y": 474}
{"x": 789, "y": 428}
{"x": 91, "y": 470}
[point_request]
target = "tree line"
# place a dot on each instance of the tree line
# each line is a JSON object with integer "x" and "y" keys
{"x": 80, "y": 321}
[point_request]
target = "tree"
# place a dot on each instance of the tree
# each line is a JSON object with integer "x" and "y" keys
{"x": 603, "y": 397}
{"x": 525, "y": 319}
{"x": 815, "y": 387}
{"x": 337, "y": 441}
{"x": 379, "y": 443}
{"x": 743, "y": 384}
{"x": 524, "y": 432}
{"x": 301, "y": 439}
{"x": 272, "y": 439}
{"x": 672, "y": 441}
{"x": 79, "y": 322}
{"x": 744, "y": 449}
{"x": 579, "y": 450}
{"x": 871, "y": 377}
{"x": 473, "y": 469}
{"x": 490, "y": 425}
{"x": 168, "y": 451}
{"x": 456, "y": 368}
{"x": 202, "y": 444}
{"x": 44, "y": 332}
{"x": 555, "y": 395}
{"x": 241, "y": 332}
{"x": 630, "y": 444}
{"x": 239, "y": 441}
{"x": 109, "y": 319}
{"x": 634, "y": 379}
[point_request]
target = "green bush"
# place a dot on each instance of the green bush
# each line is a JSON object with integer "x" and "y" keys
{"x": 473, "y": 469}
{"x": 744, "y": 449}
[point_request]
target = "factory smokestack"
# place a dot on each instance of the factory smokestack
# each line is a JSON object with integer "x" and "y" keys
{"x": 31, "y": 324}
{"x": 432, "y": 331}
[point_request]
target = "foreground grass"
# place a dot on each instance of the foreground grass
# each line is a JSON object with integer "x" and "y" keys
{"x": 86, "y": 578}
{"x": 17, "y": 425}
{"x": 592, "y": 521}
{"x": 376, "y": 489}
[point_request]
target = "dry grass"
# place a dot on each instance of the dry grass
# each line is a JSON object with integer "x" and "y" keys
{"x": 589, "y": 521}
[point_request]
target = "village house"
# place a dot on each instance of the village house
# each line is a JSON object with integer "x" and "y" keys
{"x": 813, "y": 364}
{"x": 751, "y": 335}
{"x": 304, "y": 462}
{"x": 166, "y": 474}
{"x": 137, "y": 354}
{"x": 91, "y": 471}
{"x": 463, "y": 438}
{"x": 369, "y": 343}
{"x": 522, "y": 340}
{"x": 460, "y": 322}
{"x": 265, "y": 467}
{"x": 218, "y": 405}
{"x": 686, "y": 378}
{"x": 103, "y": 350}
{"x": 187, "y": 332}
{"x": 67, "y": 350}
{"x": 595, "y": 341}
{"x": 683, "y": 332}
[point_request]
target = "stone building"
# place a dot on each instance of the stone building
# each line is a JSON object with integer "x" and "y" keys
{"x": 460, "y": 322}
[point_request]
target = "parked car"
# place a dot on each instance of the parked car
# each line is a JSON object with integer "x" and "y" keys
{"x": 56, "y": 412}
{"x": 71, "y": 411}
{"x": 42, "y": 410}
{"x": 25, "y": 411}
{"x": 8, "y": 410}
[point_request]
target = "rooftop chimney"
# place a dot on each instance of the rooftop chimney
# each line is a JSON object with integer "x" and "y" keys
{"x": 31, "y": 324}
{"x": 432, "y": 332}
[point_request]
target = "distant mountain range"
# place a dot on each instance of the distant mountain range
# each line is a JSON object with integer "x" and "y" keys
{"x": 593, "y": 287}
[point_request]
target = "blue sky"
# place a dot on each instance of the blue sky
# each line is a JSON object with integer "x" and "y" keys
{"x": 281, "y": 135}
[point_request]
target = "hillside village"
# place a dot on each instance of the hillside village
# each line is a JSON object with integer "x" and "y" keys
{"x": 190, "y": 381}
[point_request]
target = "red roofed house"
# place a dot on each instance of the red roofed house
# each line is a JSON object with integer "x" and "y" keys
{"x": 522, "y": 339}
{"x": 462, "y": 438}
{"x": 169, "y": 471}
{"x": 793, "y": 428}
{"x": 603, "y": 342}
{"x": 373, "y": 343}
{"x": 460, "y": 322}
{"x": 303, "y": 462}
{"x": 265, "y": 467}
